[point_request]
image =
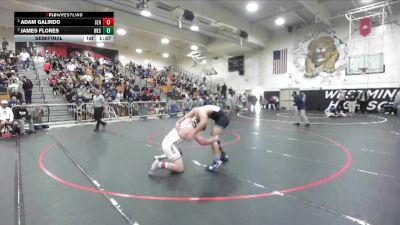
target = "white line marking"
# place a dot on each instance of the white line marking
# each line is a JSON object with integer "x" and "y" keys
{"x": 278, "y": 193}
{"x": 198, "y": 163}
{"x": 374, "y": 151}
{"x": 355, "y": 220}
{"x": 369, "y": 172}
{"x": 383, "y": 120}
{"x": 149, "y": 145}
{"x": 253, "y": 147}
{"x": 115, "y": 203}
{"x": 327, "y": 163}
{"x": 295, "y": 139}
{"x": 96, "y": 183}
{"x": 292, "y": 116}
{"x": 255, "y": 133}
{"x": 259, "y": 185}
{"x": 292, "y": 139}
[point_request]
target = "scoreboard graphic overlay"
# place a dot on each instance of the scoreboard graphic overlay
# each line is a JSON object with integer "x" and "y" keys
{"x": 64, "y": 26}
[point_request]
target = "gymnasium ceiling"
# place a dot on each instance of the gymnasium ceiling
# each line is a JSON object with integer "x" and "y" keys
{"x": 220, "y": 21}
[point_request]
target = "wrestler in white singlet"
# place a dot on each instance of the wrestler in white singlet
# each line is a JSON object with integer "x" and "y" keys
{"x": 180, "y": 132}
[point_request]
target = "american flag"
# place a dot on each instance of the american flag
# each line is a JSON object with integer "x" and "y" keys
{"x": 280, "y": 61}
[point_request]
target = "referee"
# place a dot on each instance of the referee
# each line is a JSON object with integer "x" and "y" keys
{"x": 98, "y": 105}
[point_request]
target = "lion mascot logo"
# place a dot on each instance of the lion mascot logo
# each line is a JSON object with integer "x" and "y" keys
{"x": 321, "y": 52}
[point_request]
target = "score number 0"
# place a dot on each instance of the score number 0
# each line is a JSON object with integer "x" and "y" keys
{"x": 108, "y": 21}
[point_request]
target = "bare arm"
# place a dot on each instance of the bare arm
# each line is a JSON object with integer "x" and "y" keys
{"x": 191, "y": 114}
{"x": 204, "y": 141}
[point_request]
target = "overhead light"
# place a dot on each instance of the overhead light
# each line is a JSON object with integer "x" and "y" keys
{"x": 252, "y": 7}
{"x": 121, "y": 57}
{"x": 194, "y": 28}
{"x": 165, "y": 55}
{"x": 280, "y": 21}
{"x": 194, "y": 47}
{"x": 165, "y": 40}
{"x": 366, "y": 1}
{"x": 121, "y": 31}
{"x": 100, "y": 44}
{"x": 139, "y": 50}
{"x": 145, "y": 13}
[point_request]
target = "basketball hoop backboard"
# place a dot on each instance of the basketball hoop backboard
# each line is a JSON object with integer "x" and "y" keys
{"x": 367, "y": 52}
{"x": 372, "y": 63}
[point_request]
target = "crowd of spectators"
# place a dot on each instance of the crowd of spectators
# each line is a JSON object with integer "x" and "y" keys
{"x": 11, "y": 83}
{"x": 188, "y": 90}
{"x": 77, "y": 77}
{"x": 13, "y": 111}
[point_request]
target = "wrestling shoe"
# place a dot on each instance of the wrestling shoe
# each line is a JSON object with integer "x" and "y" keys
{"x": 154, "y": 166}
{"x": 214, "y": 165}
{"x": 224, "y": 157}
{"x": 160, "y": 157}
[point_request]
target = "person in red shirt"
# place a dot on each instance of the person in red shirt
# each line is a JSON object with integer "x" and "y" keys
{"x": 53, "y": 80}
{"x": 47, "y": 67}
{"x": 154, "y": 97}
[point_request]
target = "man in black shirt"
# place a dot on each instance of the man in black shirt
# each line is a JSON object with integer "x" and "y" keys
{"x": 223, "y": 90}
{"x": 20, "y": 115}
{"x": 27, "y": 86}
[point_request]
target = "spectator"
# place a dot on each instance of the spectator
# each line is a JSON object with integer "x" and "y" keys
{"x": 3, "y": 84}
{"x": 12, "y": 102}
{"x": 27, "y": 86}
{"x": 7, "y": 117}
{"x": 261, "y": 99}
{"x": 253, "y": 100}
{"x": 187, "y": 105}
{"x": 352, "y": 103}
{"x": 208, "y": 101}
{"x": 396, "y": 104}
{"x": 20, "y": 115}
{"x": 24, "y": 57}
{"x": 12, "y": 87}
{"x": 363, "y": 97}
{"x": 276, "y": 101}
{"x": 87, "y": 78}
{"x": 47, "y": 55}
{"x": 271, "y": 103}
{"x": 341, "y": 99}
{"x": 223, "y": 90}
{"x": 4, "y": 44}
{"x": 70, "y": 67}
{"x": 108, "y": 76}
{"x": 47, "y": 67}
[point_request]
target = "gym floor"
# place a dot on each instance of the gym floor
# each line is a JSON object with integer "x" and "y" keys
{"x": 338, "y": 171}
